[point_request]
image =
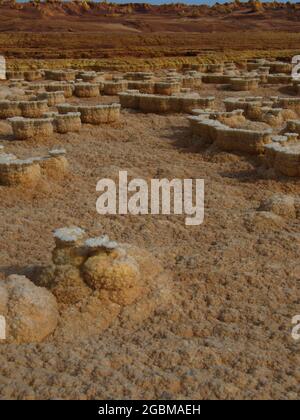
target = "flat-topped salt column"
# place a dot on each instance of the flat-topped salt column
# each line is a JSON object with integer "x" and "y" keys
{"x": 215, "y": 68}
{"x": 113, "y": 88}
{"x": 30, "y": 109}
{"x": 33, "y": 109}
{"x": 283, "y": 154}
{"x": 89, "y": 76}
{"x": 244, "y": 84}
{"x": 191, "y": 73}
{"x": 248, "y": 141}
{"x": 204, "y": 128}
{"x": 192, "y": 82}
{"x": 164, "y": 104}
{"x": 100, "y": 244}
{"x": 55, "y": 164}
{"x": 264, "y": 69}
{"x": 86, "y": 90}
{"x": 66, "y": 108}
{"x": 210, "y": 113}
{"x": 166, "y": 88}
{"x": 139, "y": 76}
{"x": 254, "y": 64}
{"x": 99, "y": 114}
{"x": 187, "y": 102}
{"x": 199, "y": 67}
{"x": 52, "y": 98}
{"x": 280, "y": 67}
{"x": 15, "y": 75}
{"x": 15, "y": 83}
{"x": 277, "y": 79}
{"x": 14, "y": 171}
{"x": 216, "y": 78}
{"x": 36, "y": 88}
{"x": 28, "y": 75}
{"x": 154, "y": 103}
{"x": 263, "y": 74}
{"x": 231, "y": 73}
{"x": 117, "y": 78}
{"x": 141, "y": 86}
{"x": 67, "y": 123}
{"x": 270, "y": 111}
{"x": 185, "y": 90}
{"x": 25, "y": 128}
{"x": 93, "y": 114}
{"x": 272, "y": 116}
{"x": 32, "y": 75}
{"x": 293, "y": 126}
{"x": 130, "y": 99}
{"x": 60, "y": 75}
{"x": 65, "y": 87}
{"x": 229, "y": 65}
{"x": 251, "y": 106}
{"x": 274, "y": 66}
{"x": 287, "y": 102}
{"x": 227, "y": 138}
{"x": 68, "y": 236}
{"x": 9, "y": 109}
{"x": 171, "y": 71}
{"x": 172, "y": 77}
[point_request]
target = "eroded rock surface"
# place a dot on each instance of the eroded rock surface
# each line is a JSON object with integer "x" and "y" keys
{"x": 31, "y": 312}
{"x": 96, "y": 280}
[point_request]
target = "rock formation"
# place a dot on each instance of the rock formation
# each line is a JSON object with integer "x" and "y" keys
{"x": 28, "y": 172}
{"x": 31, "y": 312}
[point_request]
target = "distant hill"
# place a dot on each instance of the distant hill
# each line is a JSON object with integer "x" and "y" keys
{"x": 82, "y": 16}
{"x": 87, "y": 30}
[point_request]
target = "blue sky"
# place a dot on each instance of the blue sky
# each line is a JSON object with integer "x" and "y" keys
{"x": 189, "y": 1}
{"x": 182, "y": 1}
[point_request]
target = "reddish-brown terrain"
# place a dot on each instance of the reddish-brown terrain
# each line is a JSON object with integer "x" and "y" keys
{"x": 224, "y": 330}
{"x": 100, "y": 30}
{"x": 227, "y": 331}
{"x": 145, "y": 18}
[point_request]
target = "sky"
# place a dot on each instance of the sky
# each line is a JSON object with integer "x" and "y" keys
{"x": 178, "y": 1}
{"x": 186, "y": 1}
{"x": 189, "y": 1}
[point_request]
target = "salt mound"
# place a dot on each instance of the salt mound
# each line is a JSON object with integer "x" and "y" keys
{"x": 100, "y": 283}
{"x": 281, "y": 205}
{"x": 31, "y": 312}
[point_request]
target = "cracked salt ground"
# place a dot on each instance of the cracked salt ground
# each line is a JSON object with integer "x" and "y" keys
{"x": 217, "y": 324}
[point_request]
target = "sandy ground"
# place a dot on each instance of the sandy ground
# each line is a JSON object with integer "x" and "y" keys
{"x": 227, "y": 333}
